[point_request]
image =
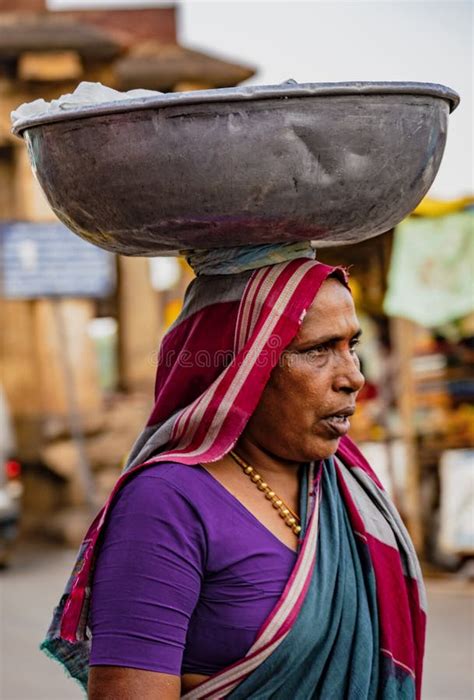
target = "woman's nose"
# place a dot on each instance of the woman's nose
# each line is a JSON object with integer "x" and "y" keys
{"x": 348, "y": 377}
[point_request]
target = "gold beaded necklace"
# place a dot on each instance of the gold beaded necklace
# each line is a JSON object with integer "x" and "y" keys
{"x": 289, "y": 516}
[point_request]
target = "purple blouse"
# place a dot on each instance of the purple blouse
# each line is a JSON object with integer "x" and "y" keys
{"x": 185, "y": 575}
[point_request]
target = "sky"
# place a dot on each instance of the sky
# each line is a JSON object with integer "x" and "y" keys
{"x": 321, "y": 41}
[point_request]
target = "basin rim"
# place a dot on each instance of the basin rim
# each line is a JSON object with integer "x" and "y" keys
{"x": 241, "y": 94}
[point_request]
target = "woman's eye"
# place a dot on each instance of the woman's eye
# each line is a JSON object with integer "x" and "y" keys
{"x": 317, "y": 350}
{"x": 354, "y": 343}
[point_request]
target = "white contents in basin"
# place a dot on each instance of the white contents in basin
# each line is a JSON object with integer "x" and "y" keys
{"x": 84, "y": 95}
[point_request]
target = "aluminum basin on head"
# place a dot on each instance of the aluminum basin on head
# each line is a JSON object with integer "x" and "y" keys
{"x": 337, "y": 162}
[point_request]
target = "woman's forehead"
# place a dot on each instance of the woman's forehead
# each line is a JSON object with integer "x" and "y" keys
{"x": 332, "y": 309}
{"x": 332, "y": 293}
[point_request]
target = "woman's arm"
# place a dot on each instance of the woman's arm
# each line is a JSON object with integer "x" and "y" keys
{"x": 113, "y": 682}
{"x": 146, "y": 583}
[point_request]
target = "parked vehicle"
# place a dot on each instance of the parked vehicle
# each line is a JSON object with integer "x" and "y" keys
{"x": 11, "y": 487}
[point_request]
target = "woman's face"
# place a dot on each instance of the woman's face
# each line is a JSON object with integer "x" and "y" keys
{"x": 305, "y": 407}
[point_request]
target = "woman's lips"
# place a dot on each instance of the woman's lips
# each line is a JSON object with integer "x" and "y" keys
{"x": 337, "y": 425}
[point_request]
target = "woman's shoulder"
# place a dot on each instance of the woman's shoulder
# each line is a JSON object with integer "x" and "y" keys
{"x": 164, "y": 485}
{"x": 152, "y": 506}
{"x": 176, "y": 475}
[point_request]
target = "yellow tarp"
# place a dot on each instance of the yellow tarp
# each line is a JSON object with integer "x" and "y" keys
{"x": 441, "y": 207}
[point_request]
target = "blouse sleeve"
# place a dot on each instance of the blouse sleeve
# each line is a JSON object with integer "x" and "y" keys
{"x": 147, "y": 577}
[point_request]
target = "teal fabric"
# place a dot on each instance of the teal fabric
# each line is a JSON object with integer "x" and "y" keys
{"x": 230, "y": 261}
{"x": 332, "y": 650}
{"x": 394, "y": 683}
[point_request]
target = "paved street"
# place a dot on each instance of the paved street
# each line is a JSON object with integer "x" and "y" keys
{"x": 29, "y": 591}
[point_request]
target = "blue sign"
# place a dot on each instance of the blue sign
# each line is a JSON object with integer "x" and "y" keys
{"x": 47, "y": 259}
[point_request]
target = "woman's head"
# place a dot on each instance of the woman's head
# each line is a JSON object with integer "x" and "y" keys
{"x": 277, "y": 386}
{"x": 305, "y": 407}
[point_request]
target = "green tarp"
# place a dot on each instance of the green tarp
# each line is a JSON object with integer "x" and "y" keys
{"x": 431, "y": 278}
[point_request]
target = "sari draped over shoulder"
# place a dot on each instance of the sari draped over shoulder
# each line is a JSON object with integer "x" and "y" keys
{"x": 350, "y": 622}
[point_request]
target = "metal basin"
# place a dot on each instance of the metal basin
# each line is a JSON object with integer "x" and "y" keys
{"x": 336, "y": 162}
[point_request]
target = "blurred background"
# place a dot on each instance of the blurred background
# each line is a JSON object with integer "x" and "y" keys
{"x": 81, "y": 327}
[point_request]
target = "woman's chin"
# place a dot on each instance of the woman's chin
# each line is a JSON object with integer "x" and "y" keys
{"x": 324, "y": 449}
{"x": 318, "y": 449}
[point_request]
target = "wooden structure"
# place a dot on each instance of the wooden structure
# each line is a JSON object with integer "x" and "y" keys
{"x": 167, "y": 67}
{"x": 31, "y": 363}
{"x": 43, "y": 55}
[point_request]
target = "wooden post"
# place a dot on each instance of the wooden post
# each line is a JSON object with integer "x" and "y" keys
{"x": 31, "y": 204}
{"x": 19, "y": 373}
{"x": 403, "y": 336}
{"x": 6, "y": 182}
{"x": 140, "y": 324}
{"x": 30, "y": 356}
{"x": 51, "y": 342}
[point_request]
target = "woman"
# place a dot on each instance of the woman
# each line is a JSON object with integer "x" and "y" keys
{"x": 248, "y": 551}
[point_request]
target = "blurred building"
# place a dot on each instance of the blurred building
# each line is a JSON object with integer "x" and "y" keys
{"x": 413, "y": 289}
{"x": 81, "y": 328}
{"x": 77, "y": 326}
